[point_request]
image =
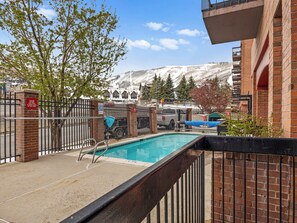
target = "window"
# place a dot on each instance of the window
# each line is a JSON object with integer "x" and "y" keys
{"x": 115, "y": 94}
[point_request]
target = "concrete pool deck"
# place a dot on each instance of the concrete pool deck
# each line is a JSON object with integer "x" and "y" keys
{"x": 55, "y": 186}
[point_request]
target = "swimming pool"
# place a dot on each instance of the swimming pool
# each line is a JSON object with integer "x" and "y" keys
{"x": 150, "y": 150}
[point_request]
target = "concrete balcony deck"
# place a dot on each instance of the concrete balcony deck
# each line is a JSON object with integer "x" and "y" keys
{"x": 227, "y": 21}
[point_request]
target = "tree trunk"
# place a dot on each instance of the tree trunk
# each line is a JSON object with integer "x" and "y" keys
{"x": 56, "y": 130}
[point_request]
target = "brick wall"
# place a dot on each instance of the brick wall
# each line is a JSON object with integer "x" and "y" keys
{"x": 266, "y": 24}
{"x": 246, "y": 73}
{"x": 286, "y": 68}
{"x": 275, "y": 73}
{"x": 251, "y": 186}
{"x": 293, "y": 84}
{"x": 262, "y": 104}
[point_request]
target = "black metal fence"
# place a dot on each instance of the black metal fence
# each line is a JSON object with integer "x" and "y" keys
{"x": 64, "y": 124}
{"x": 8, "y": 105}
{"x": 250, "y": 180}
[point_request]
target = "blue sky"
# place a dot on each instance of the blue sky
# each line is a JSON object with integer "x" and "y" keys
{"x": 165, "y": 32}
{"x": 160, "y": 33}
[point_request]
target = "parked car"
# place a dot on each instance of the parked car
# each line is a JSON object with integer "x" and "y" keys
{"x": 169, "y": 117}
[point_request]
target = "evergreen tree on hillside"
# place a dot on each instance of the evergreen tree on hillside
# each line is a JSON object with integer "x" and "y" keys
{"x": 159, "y": 88}
{"x": 162, "y": 89}
{"x": 169, "y": 90}
{"x": 182, "y": 89}
{"x": 191, "y": 83}
{"x": 145, "y": 93}
{"x": 191, "y": 86}
{"x": 154, "y": 88}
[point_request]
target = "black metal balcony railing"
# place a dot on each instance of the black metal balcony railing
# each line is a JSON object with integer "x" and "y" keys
{"x": 216, "y": 4}
{"x": 246, "y": 179}
{"x": 236, "y": 51}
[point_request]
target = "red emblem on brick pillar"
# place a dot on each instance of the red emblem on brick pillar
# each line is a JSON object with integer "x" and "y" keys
{"x": 31, "y": 103}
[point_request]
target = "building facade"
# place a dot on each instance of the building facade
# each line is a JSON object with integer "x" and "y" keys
{"x": 268, "y": 54}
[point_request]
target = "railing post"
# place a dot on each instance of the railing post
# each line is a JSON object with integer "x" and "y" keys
{"x": 27, "y": 131}
{"x": 132, "y": 120}
{"x": 153, "y": 120}
{"x": 97, "y": 130}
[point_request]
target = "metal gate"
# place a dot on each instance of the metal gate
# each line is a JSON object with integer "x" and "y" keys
{"x": 8, "y": 105}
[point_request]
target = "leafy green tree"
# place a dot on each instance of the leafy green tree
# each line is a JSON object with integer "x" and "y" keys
{"x": 169, "y": 90}
{"x": 182, "y": 89}
{"x": 69, "y": 55}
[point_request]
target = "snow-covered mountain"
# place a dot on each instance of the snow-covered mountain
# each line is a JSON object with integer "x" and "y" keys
{"x": 198, "y": 72}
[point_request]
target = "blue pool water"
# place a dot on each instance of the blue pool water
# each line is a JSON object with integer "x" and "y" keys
{"x": 150, "y": 150}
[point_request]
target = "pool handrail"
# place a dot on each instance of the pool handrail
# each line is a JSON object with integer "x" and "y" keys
{"x": 81, "y": 154}
{"x": 95, "y": 150}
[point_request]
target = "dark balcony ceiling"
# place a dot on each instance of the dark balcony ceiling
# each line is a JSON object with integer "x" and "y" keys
{"x": 235, "y": 22}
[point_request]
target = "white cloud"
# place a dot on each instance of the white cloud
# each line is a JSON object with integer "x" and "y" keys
{"x": 166, "y": 43}
{"x": 142, "y": 44}
{"x": 158, "y": 26}
{"x": 154, "y": 26}
{"x": 189, "y": 32}
{"x": 183, "y": 42}
{"x": 156, "y": 48}
{"x": 165, "y": 29}
{"x": 172, "y": 44}
{"x": 48, "y": 13}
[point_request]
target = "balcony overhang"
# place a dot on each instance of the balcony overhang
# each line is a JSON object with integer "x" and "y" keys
{"x": 234, "y": 22}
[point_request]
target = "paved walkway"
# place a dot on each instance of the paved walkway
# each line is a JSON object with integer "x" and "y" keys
{"x": 55, "y": 186}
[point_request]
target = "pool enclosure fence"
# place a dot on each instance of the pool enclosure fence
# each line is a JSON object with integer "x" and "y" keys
{"x": 239, "y": 179}
{"x": 32, "y": 125}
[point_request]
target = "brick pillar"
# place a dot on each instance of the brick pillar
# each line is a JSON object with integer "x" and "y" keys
{"x": 262, "y": 105}
{"x": 27, "y": 130}
{"x": 132, "y": 120}
{"x": 189, "y": 117}
{"x": 254, "y": 96}
{"x": 275, "y": 74}
{"x": 153, "y": 120}
{"x": 290, "y": 67}
{"x": 97, "y": 129}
